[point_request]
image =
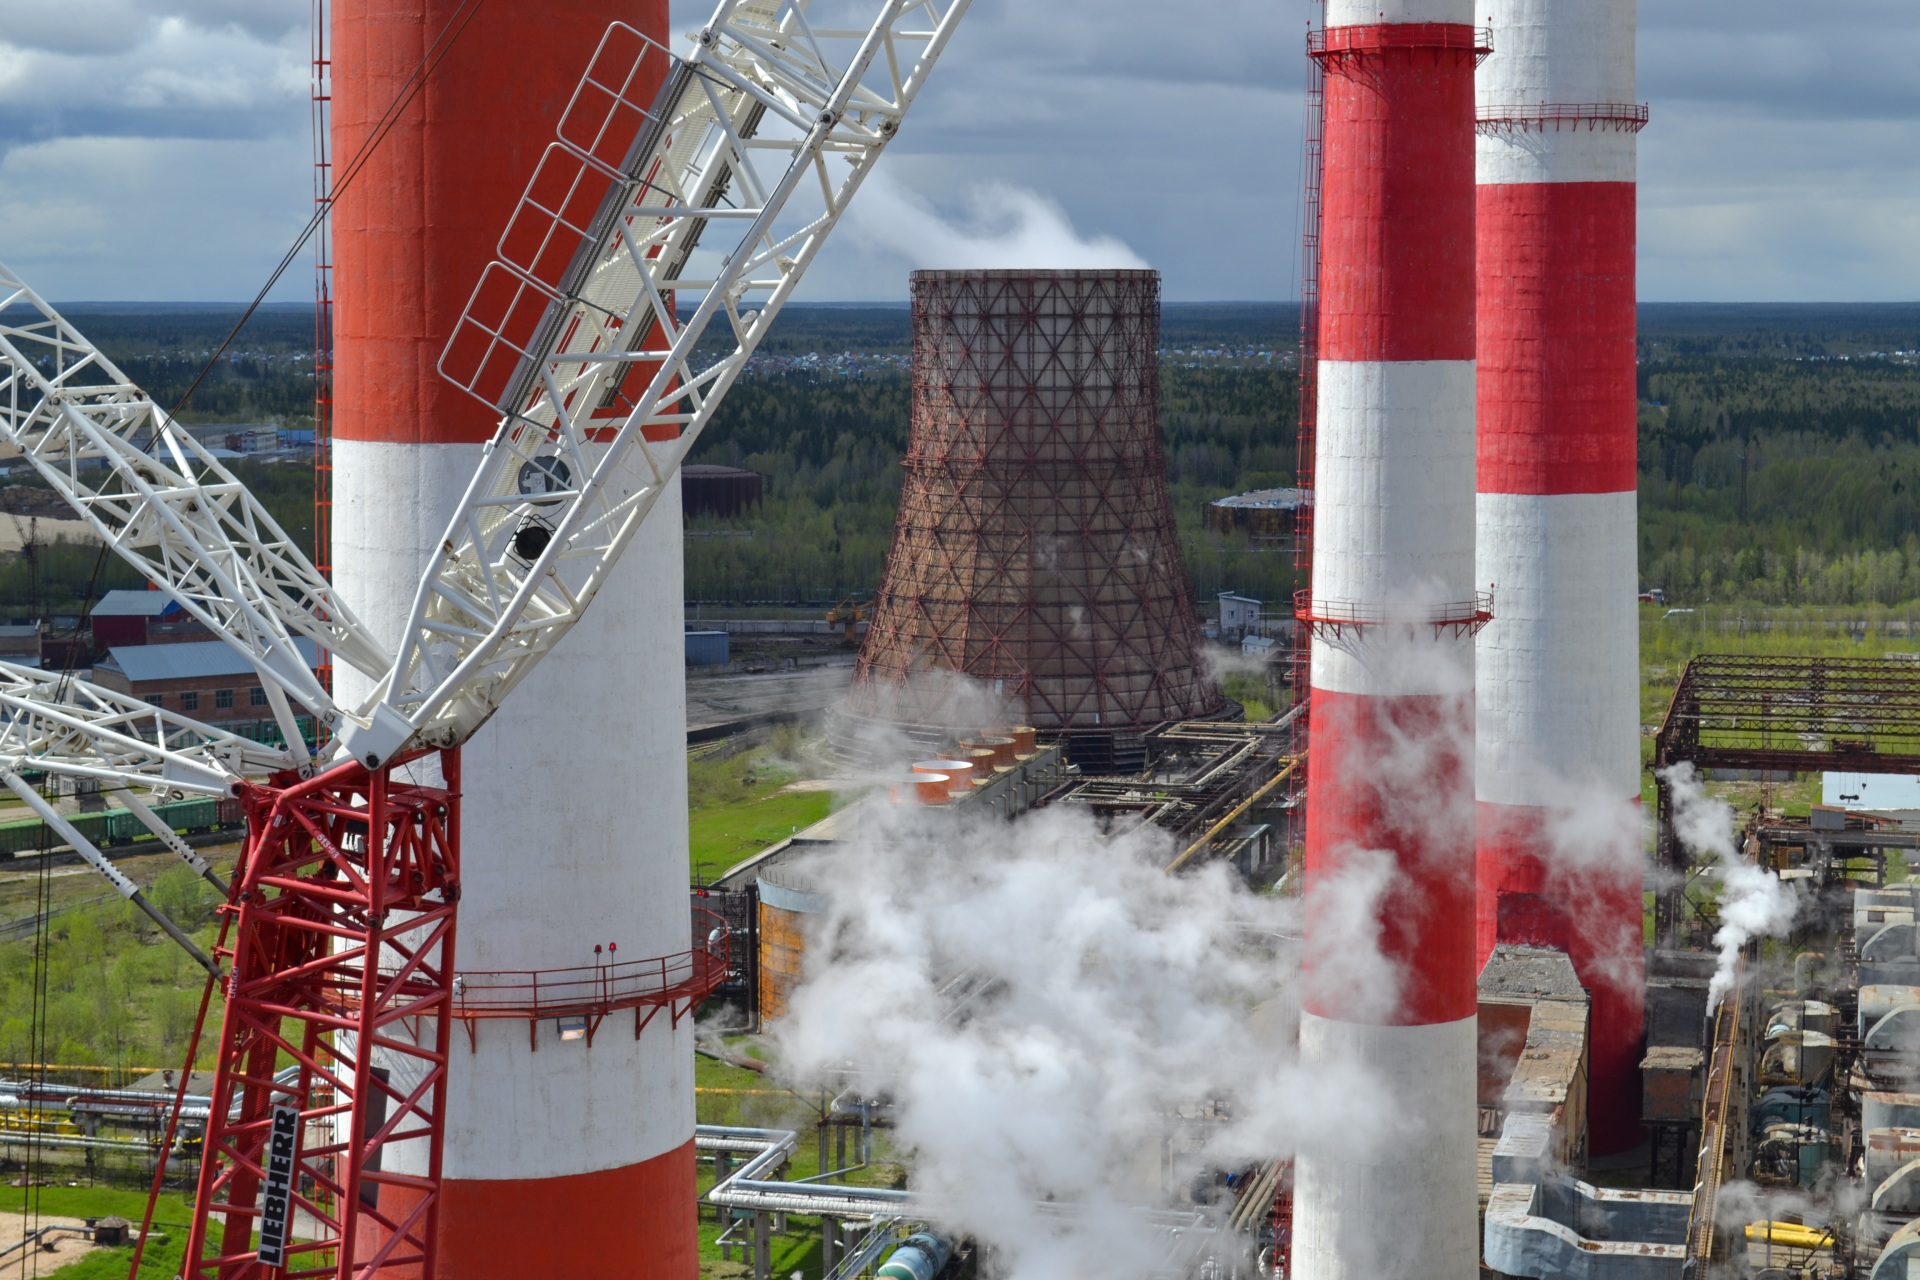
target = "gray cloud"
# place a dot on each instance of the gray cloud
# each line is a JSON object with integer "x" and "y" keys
{"x": 1774, "y": 167}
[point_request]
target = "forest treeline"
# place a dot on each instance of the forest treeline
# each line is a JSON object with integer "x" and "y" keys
{"x": 831, "y": 450}
{"x": 1779, "y": 447}
{"x": 1780, "y": 453}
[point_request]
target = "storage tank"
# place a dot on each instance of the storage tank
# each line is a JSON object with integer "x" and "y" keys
{"x": 575, "y": 829}
{"x": 785, "y": 903}
{"x": 1035, "y": 553}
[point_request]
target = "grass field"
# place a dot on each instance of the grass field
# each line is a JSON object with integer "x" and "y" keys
{"x": 737, "y": 807}
{"x": 730, "y": 1095}
{"x": 162, "y": 1259}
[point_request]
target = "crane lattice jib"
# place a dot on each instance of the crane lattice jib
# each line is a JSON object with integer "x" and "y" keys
{"x": 69, "y": 727}
{"x": 162, "y": 502}
{"x": 585, "y": 332}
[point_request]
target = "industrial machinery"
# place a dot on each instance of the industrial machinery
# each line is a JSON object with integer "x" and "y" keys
{"x": 850, "y": 613}
{"x": 648, "y": 222}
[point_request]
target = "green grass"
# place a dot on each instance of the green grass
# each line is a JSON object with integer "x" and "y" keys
{"x": 722, "y": 836}
{"x": 163, "y": 1258}
{"x": 734, "y": 1096}
{"x": 739, "y": 806}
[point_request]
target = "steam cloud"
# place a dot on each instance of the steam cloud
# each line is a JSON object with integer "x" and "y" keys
{"x": 1007, "y": 228}
{"x": 1753, "y": 903}
{"x": 1109, "y": 1004}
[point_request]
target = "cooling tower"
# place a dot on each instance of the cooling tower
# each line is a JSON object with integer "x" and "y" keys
{"x": 563, "y": 1158}
{"x": 1559, "y": 682}
{"x": 1388, "y": 960}
{"x": 1035, "y": 552}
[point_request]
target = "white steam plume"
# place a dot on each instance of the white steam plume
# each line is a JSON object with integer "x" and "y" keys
{"x": 1007, "y": 228}
{"x": 1753, "y": 902}
{"x": 1110, "y": 996}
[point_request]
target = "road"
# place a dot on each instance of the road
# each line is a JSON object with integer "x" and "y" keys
{"x": 717, "y": 700}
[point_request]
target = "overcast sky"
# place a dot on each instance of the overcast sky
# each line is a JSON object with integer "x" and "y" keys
{"x": 159, "y": 149}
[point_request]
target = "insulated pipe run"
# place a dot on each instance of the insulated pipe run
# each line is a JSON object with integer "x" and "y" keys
{"x": 1389, "y": 839}
{"x": 746, "y": 1188}
{"x": 1558, "y": 771}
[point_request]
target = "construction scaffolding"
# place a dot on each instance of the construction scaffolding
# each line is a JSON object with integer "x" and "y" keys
{"x": 1035, "y": 552}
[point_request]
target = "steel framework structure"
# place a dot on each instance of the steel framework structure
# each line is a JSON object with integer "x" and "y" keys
{"x": 322, "y": 121}
{"x": 342, "y": 913}
{"x": 343, "y": 962}
{"x": 1779, "y": 715}
{"x": 1300, "y": 663}
{"x": 1035, "y": 550}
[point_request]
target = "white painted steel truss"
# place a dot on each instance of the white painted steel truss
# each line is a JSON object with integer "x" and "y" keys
{"x": 68, "y": 726}
{"x": 575, "y": 335}
{"x": 167, "y": 506}
{"x": 597, "y": 271}
{"x": 586, "y": 334}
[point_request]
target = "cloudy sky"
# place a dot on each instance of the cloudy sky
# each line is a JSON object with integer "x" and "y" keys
{"x": 159, "y": 149}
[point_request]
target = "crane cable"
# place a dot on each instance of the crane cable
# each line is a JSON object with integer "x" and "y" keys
{"x": 37, "y": 1039}
{"x": 436, "y": 53}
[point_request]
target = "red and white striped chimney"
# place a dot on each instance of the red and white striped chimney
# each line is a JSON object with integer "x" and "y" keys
{"x": 1559, "y": 755}
{"x": 1389, "y": 841}
{"x": 564, "y": 1159}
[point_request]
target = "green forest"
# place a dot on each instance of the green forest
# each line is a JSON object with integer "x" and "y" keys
{"x": 1779, "y": 447}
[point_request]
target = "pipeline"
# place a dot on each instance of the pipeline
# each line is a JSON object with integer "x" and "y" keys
{"x": 746, "y": 1189}
{"x": 922, "y": 1257}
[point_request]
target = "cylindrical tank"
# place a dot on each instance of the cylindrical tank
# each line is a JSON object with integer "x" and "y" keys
{"x": 574, "y": 828}
{"x": 1559, "y": 678}
{"x": 922, "y": 1257}
{"x": 1389, "y": 972}
{"x": 1035, "y": 551}
{"x": 785, "y": 903}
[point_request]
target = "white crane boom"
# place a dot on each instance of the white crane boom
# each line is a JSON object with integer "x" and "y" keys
{"x": 68, "y": 726}
{"x": 582, "y": 335}
{"x": 166, "y": 505}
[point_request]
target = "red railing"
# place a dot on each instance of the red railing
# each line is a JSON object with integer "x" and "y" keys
{"x": 1334, "y": 42}
{"x": 1332, "y": 618}
{"x": 678, "y": 983}
{"x": 1595, "y": 117}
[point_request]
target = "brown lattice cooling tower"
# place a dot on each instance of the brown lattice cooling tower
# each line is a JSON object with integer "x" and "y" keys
{"x": 1035, "y": 551}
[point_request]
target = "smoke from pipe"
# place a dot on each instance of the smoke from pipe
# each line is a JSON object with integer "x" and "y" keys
{"x": 1112, "y": 1009}
{"x": 1753, "y": 902}
{"x": 1005, "y": 228}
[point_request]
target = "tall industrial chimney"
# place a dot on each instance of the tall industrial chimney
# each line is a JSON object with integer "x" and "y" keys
{"x": 563, "y": 1158}
{"x": 1389, "y": 841}
{"x": 1559, "y": 665}
{"x": 1035, "y": 552}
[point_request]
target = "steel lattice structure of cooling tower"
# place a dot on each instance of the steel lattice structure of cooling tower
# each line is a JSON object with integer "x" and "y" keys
{"x": 1035, "y": 551}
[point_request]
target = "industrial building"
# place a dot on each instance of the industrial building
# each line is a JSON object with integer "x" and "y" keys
{"x": 204, "y": 677}
{"x": 1465, "y": 673}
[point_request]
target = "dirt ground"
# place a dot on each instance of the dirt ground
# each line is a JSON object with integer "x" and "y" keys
{"x": 41, "y": 1261}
